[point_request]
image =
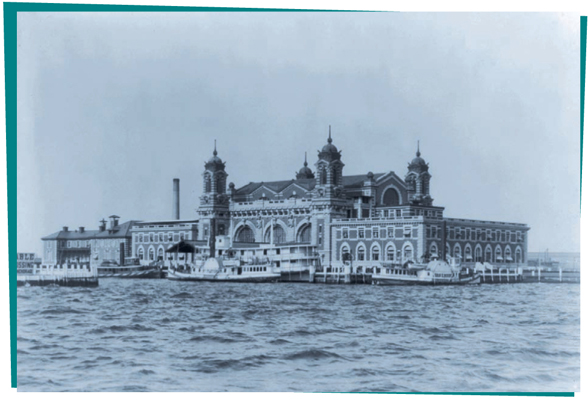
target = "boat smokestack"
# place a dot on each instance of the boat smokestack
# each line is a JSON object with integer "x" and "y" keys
{"x": 176, "y": 205}
{"x": 443, "y": 240}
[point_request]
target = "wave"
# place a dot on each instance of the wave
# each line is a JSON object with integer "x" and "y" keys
{"x": 311, "y": 354}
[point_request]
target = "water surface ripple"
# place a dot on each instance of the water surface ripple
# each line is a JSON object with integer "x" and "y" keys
{"x": 158, "y": 335}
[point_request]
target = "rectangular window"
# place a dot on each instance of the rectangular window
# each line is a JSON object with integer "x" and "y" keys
{"x": 398, "y": 213}
{"x": 361, "y": 233}
{"x": 345, "y": 233}
{"x": 428, "y": 232}
{"x": 375, "y": 233}
{"x": 407, "y": 231}
{"x": 390, "y": 232}
{"x": 385, "y": 213}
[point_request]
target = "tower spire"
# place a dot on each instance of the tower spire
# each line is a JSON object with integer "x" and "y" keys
{"x": 305, "y": 162}
{"x": 330, "y": 140}
{"x": 214, "y": 153}
{"x": 418, "y": 153}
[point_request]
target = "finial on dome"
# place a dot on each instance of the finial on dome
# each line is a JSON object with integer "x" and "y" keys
{"x": 418, "y": 153}
{"x": 305, "y": 162}
{"x": 330, "y": 140}
{"x": 214, "y": 153}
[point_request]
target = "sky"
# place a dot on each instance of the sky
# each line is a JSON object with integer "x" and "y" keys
{"x": 112, "y": 107}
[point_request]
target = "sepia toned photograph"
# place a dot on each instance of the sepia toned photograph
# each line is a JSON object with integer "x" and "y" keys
{"x": 298, "y": 202}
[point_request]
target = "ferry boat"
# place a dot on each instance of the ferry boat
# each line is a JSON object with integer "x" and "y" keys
{"x": 221, "y": 269}
{"x": 436, "y": 272}
{"x": 111, "y": 269}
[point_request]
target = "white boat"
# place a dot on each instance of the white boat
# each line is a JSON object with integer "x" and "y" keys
{"x": 228, "y": 270}
{"x": 436, "y": 272}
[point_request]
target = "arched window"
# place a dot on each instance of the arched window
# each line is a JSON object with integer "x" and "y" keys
{"x": 160, "y": 253}
{"x": 508, "y": 255}
{"x": 478, "y": 255}
{"x": 391, "y": 197}
{"x": 519, "y": 255}
{"x": 498, "y": 253}
{"x": 390, "y": 253}
{"x": 207, "y": 183}
{"x": 304, "y": 234}
{"x": 151, "y": 254}
{"x": 245, "y": 234}
{"x": 433, "y": 250}
{"x": 488, "y": 255}
{"x": 161, "y": 237}
{"x": 170, "y": 237}
{"x": 345, "y": 255}
{"x": 457, "y": 251}
{"x": 323, "y": 176}
{"x": 279, "y": 235}
{"x": 375, "y": 253}
{"x": 407, "y": 252}
{"x": 361, "y": 254}
{"x": 468, "y": 253}
{"x": 140, "y": 253}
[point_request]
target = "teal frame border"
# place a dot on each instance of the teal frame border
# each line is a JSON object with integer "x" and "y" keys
{"x": 10, "y": 46}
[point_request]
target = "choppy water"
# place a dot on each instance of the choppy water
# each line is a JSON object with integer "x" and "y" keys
{"x": 158, "y": 335}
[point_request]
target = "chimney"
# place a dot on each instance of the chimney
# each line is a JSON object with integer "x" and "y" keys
{"x": 176, "y": 205}
{"x": 82, "y": 229}
{"x": 102, "y": 225}
{"x": 65, "y": 229}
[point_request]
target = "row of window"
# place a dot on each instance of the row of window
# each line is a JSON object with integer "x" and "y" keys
{"x": 478, "y": 234}
{"x": 161, "y": 237}
{"x": 405, "y": 232}
{"x": 412, "y": 213}
{"x": 391, "y": 253}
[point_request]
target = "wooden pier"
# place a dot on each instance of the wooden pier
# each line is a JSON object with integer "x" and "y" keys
{"x": 59, "y": 275}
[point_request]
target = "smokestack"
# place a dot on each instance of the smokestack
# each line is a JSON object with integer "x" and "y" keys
{"x": 176, "y": 206}
{"x": 65, "y": 228}
{"x": 121, "y": 255}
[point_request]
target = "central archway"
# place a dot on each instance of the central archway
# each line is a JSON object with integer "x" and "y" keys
{"x": 279, "y": 235}
{"x": 245, "y": 234}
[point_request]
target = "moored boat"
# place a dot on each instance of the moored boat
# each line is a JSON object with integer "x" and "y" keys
{"x": 436, "y": 272}
{"x": 227, "y": 270}
{"x": 110, "y": 269}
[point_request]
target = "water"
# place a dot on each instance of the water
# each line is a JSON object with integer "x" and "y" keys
{"x": 159, "y": 335}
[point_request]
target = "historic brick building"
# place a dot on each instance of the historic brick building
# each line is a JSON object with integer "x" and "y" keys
{"x": 376, "y": 217}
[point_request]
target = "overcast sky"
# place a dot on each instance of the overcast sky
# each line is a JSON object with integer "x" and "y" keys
{"x": 112, "y": 107}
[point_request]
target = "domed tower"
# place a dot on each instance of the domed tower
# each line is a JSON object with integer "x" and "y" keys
{"x": 417, "y": 180}
{"x": 329, "y": 168}
{"x": 214, "y": 202}
{"x": 305, "y": 172}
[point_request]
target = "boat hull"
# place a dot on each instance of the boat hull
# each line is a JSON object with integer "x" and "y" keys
{"x": 144, "y": 274}
{"x": 390, "y": 281}
{"x": 212, "y": 278}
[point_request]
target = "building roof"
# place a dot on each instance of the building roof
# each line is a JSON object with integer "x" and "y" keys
{"x": 276, "y": 186}
{"x": 356, "y": 181}
{"x": 121, "y": 230}
{"x": 71, "y": 235}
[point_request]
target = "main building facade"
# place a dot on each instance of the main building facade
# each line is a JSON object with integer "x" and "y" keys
{"x": 371, "y": 218}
